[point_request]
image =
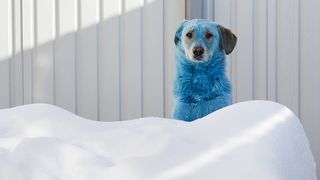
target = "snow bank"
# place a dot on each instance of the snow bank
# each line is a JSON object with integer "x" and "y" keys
{"x": 250, "y": 140}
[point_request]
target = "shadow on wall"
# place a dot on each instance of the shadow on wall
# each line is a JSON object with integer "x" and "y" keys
{"x": 117, "y": 66}
{"x": 4, "y": 82}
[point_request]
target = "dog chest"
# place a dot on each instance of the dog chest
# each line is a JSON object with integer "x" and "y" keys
{"x": 200, "y": 88}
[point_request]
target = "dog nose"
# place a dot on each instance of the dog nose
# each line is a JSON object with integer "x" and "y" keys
{"x": 198, "y": 51}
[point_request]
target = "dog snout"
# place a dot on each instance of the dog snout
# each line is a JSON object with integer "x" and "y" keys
{"x": 198, "y": 51}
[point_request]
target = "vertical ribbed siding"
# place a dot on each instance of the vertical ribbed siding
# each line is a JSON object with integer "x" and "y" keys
{"x": 106, "y": 60}
{"x": 5, "y": 52}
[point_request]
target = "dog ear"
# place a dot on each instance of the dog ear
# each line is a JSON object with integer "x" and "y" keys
{"x": 228, "y": 39}
{"x": 177, "y": 37}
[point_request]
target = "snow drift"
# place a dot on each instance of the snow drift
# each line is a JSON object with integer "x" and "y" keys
{"x": 250, "y": 140}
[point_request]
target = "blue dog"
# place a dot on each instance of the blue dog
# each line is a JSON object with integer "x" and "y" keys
{"x": 201, "y": 85}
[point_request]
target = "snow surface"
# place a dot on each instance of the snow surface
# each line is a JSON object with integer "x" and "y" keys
{"x": 246, "y": 141}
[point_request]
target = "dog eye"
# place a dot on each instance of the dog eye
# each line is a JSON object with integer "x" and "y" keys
{"x": 189, "y": 35}
{"x": 209, "y": 35}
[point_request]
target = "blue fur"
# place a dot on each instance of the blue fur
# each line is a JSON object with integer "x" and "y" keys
{"x": 200, "y": 87}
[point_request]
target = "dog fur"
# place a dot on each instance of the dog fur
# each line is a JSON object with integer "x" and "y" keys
{"x": 201, "y": 85}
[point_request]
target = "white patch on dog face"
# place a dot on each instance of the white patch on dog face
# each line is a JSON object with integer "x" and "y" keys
{"x": 197, "y": 42}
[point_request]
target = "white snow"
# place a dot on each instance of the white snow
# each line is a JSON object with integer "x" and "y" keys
{"x": 255, "y": 140}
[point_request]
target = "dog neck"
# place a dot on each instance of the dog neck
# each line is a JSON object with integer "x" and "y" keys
{"x": 215, "y": 66}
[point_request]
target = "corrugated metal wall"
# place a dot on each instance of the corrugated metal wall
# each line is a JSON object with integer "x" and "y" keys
{"x": 277, "y": 55}
{"x": 104, "y": 60}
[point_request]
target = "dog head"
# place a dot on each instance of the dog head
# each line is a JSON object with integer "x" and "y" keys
{"x": 200, "y": 39}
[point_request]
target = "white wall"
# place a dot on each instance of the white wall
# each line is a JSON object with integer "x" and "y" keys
{"x": 104, "y": 60}
{"x": 277, "y": 55}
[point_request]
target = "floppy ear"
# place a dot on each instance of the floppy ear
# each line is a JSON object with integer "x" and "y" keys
{"x": 177, "y": 37}
{"x": 228, "y": 39}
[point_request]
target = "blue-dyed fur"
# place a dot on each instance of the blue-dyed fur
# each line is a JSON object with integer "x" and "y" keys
{"x": 200, "y": 87}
